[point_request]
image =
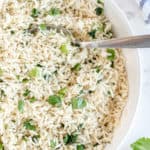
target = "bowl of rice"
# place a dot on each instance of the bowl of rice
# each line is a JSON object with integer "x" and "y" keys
{"x": 55, "y": 96}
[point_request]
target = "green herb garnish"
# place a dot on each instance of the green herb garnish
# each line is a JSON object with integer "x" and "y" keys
{"x": 62, "y": 92}
{"x": 12, "y": 32}
{"x": 80, "y": 126}
{"x": 78, "y": 103}
{"x": 2, "y": 93}
{"x": 111, "y": 53}
{"x": 35, "y": 138}
{"x": 26, "y": 93}
{"x": 97, "y": 69}
{"x": 52, "y": 144}
{"x": 1, "y": 72}
{"x": 54, "y": 100}
{"x": 25, "y": 80}
{"x": 1, "y": 146}
{"x": 28, "y": 125}
{"x": 35, "y": 72}
{"x": 100, "y": 1}
{"x": 77, "y": 67}
{"x": 46, "y": 76}
{"x": 99, "y": 11}
{"x": 39, "y": 65}
{"x": 64, "y": 49}
{"x": 32, "y": 99}
{"x": 21, "y": 106}
{"x": 92, "y": 33}
{"x": 141, "y": 144}
{"x": 54, "y": 12}
{"x": 43, "y": 27}
{"x": 70, "y": 139}
{"x": 35, "y": 13}
{"x": 80, "y": 147}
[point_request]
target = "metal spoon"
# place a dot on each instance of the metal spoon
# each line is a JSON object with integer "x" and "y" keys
{"x": 139, "y": 41}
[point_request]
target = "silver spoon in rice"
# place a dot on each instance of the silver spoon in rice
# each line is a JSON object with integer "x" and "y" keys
{"x": 138, "y": 41}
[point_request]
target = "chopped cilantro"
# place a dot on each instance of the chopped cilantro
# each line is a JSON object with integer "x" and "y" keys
{"x": 97, "y": 68}
{"x": 39, "y": 65}
{"x": 78, "y": 103}
{"x": 99, "y": 11}
{"x": 54, "y": 100}
{"x": 25, "y": 80}
{"x": 2, "y": 93}
{"x": 62, "y": 92}
{"x": 141, "y": 144}
{"x": 64, "y": 49}
{"x": 111, "y": 55}
{"x": 35, "y": 72}
{"x": 54, "y": 12}
{"x": 46, "y": 76}
{"x": 77, "y": 67}
{"x": 35, "y": 13}
{"x": 1, "y": 72}
{"x": 26, "y": 93}
{"x": 52, "y": 144}
{"x": 21, "y": 106}
{"x": 29, "y": 125}
{"x": 1, "y": 81}
{"x": 1, "y": 146}
{"x": 12, "y": 32}
{"x": 100, "y": 1}
{"x": 92, "y": 33}
{"x": 24, "y": 138}
{"x": 35, "y": 138}
{"x": 80, "y": 147}
{"x": 32, "y": 99}
{"x": 70, "y": 139}
{"x": 43, "y": 27}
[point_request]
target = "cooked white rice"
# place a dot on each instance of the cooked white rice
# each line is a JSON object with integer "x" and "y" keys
{"x": 35, "y": 66}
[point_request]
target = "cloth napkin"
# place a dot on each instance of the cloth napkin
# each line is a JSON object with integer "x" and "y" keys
{"x": 145, "y": 6}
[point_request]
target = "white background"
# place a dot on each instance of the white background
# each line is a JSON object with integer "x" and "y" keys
{"x": 141, "y": 122}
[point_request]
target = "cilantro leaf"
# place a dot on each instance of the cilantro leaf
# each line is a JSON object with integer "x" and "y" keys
{"x": 55, "y": 100}
{"x": 34, "y": 13}
{"x": 43, "y": 27}
{"x": 1, "y": 146}
{"x": 21, "y": 105}
{"x": 28, "y": 125}
{"x": 111, "y": 55}
{"x": 35, "y": 72}
{"x": 62, "y": 92}
{"x": 52, "y": 144}
{"x": 69, "y": 139}
{"x": 78, "y": 103}
{"x": 99, "y": 11}
{"x": 80, "y": 147}
{"x": 54, "y": 12}
{"x": 92, "y": 33}
{"x": 64, "y": 49}
{"x": 141, "y": 144}
{"x": 77, "y": 67}
{"x": 26, "y": 92}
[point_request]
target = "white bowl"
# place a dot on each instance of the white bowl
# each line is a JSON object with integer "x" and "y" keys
{"x": 122, "y": 28}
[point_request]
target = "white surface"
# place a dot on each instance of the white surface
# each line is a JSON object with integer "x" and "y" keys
{"x": 141, "y": 123}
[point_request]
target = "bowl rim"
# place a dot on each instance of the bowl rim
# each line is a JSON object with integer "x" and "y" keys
{"x": 131, "y": 32}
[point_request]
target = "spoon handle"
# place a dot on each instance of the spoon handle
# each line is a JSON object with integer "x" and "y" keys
{"x": 139, "y": 41}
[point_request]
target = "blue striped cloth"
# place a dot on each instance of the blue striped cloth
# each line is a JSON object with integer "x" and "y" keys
{"x": 145, "y": 6}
